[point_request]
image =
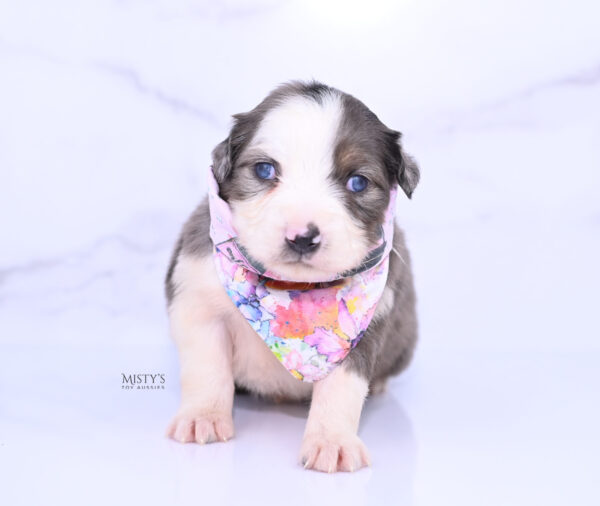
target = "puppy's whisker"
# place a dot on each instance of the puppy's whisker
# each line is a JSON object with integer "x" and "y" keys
{"x": 399, "y": 256}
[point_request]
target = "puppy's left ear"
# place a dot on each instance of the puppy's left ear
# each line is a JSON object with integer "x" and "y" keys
{"x": 408, "y": 174}
{"x": 221, "y": 161}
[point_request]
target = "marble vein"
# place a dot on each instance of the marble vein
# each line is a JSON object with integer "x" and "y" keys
{"x": 125, "y": 74}
{"x": 80, "y": 256}
{"x": 132, "y": 77}
{"x": 584, "y": 78}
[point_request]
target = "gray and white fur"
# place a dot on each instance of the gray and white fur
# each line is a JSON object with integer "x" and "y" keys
{"x": 316, "y": 138}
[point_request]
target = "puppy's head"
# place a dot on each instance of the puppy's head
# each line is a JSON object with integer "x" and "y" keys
{"x": 307, "y": 174}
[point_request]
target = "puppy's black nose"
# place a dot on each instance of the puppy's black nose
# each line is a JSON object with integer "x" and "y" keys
{"x": 305, "y": 243}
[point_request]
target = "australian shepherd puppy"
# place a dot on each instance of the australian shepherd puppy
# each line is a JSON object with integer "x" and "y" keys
{"x": 307, "y": 175}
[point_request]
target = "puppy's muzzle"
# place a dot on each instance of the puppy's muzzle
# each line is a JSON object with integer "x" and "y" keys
{"x": 307, "y": 242}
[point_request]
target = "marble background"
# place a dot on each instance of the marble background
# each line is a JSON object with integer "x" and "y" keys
{"x": 108, "y": 113}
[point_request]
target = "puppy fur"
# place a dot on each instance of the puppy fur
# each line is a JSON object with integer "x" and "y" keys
{"x": 316, "y": 137}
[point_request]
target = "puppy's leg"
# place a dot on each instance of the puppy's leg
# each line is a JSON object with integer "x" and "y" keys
{"x": 207, "y": 385}
{"x": 330, "y": 440}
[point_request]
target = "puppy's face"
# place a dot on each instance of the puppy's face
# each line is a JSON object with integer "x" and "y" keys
{"x": 307, "y": 174}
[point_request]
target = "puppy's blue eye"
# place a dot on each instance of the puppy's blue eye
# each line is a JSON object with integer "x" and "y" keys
{"x": 357, "y": 183}
{"x": 265, "y": 170}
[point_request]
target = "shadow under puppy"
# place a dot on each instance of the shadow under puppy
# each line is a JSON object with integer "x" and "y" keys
{"x": 291, "y": 279}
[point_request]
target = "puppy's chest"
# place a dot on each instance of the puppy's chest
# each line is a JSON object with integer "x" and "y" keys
{"x": 254, "y": 365}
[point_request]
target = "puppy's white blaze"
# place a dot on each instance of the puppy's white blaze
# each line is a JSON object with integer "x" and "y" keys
{"x": 300, "y": 134}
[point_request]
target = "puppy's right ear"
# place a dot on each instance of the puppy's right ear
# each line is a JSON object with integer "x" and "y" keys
{"x": 221, "y": 161}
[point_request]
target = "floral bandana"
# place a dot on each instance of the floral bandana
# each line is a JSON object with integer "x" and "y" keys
{"x": 310, "y": 327}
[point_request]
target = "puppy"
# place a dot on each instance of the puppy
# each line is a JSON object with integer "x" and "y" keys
{"x": 307, "y": 176}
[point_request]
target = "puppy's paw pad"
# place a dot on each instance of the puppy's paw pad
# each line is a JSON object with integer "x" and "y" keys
{"x": 202, "y": 428}
{"x": 334, "y": 453}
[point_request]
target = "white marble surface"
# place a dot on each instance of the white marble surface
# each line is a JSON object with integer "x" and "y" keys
{"x": 108, "y": 113}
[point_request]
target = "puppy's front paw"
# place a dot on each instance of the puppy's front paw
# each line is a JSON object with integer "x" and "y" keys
{"x": 330, "y": 453}
{"x": 202, "y": 427}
